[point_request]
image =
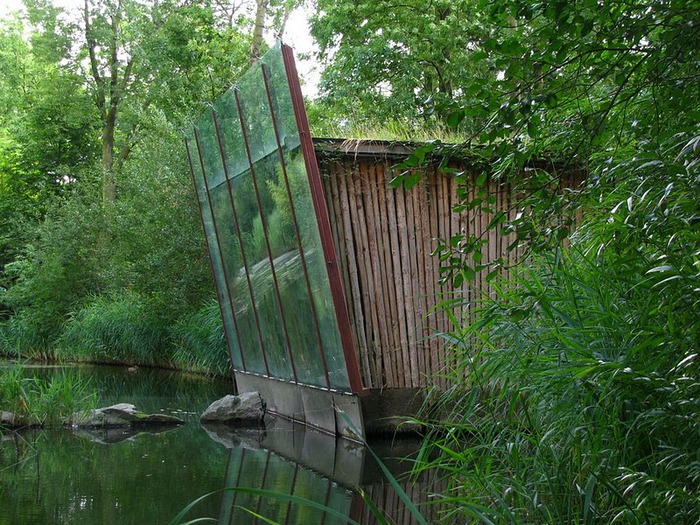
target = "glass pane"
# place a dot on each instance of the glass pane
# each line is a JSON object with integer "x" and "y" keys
{"x": 276, "y": 222}
{"x": 274, "y": 266}
{"x": 214, "y": 254}
{"x": 308, "y": 224}
{"x": 254, "y": 247}
{"x": 231, "y": 246}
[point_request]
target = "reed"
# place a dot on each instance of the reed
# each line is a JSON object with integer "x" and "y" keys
{"x": 119, "y": 328}
{"x": 45, "y": 401}
{"x": 569, "y": 404}
{"x": 199, "y": 343}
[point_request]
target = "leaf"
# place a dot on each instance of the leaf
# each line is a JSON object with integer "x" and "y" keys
{"x": 663, "y": 268}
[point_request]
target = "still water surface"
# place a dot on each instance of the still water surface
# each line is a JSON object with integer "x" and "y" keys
{"x": 116, "y": 477}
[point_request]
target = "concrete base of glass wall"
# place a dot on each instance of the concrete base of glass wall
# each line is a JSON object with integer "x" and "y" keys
{"x": 349, "y": 416}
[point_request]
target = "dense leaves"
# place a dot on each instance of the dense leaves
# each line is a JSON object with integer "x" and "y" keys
{"x": 396, "y": 60}
{"x": 95, "y": 196}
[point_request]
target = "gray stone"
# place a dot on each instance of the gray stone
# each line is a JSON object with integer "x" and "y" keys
{"x": 235, "y": 436}
{"x": 120, "y": 415}
{"x": 12, "y": 420}
{"x": 246, "y": 408}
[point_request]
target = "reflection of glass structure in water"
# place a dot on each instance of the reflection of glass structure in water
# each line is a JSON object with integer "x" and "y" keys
{"x": 268, "y": 235}
{"x": 264, "y": 470}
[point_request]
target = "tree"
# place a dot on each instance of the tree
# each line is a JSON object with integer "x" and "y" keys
{"x": 397, "y": 60}
{"x": 47, "y": 133}
{"x": 91, "y": 154}
{"x": 590, "y": 85}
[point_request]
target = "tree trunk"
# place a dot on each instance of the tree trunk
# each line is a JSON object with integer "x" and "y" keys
{"x": 256, "y": 44}
{"x": 109, "y": 182}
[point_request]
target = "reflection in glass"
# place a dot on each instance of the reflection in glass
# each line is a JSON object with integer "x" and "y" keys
{"x": 262, "y": 469}
{"x": 214, "y": 252}
{"x": 262, "y": 229}
{"x": 308, "y": 226}
{"x": 270, "y": 172}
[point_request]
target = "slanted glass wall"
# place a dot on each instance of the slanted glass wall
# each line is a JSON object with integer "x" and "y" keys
{"x": 281, "y": 313}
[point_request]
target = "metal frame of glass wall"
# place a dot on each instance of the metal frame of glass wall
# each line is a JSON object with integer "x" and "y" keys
{"x": 267, "y": 230}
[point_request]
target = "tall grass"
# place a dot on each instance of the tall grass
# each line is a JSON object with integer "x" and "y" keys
{"x": 390, "y": 130}
{"x": 44, "y": 401}
{"x": 23, "y": 336}
{"x": 125, "y": 328}
{"x": 572, "y": 404}
{"x": 120, "y": 328}
{"x": 199, "y": 344}
{"x": 576, "y": 393}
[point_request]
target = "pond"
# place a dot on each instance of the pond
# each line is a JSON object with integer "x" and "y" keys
{"x": 61, "y": 476}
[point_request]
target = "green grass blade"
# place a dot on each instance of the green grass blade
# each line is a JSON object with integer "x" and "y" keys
{"x": 392, "y": 480}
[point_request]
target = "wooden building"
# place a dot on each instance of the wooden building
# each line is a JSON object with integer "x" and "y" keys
{"x": 329, "y": 294}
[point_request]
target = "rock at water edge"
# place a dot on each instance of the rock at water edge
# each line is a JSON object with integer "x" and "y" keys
{"x": 248, "y": 407}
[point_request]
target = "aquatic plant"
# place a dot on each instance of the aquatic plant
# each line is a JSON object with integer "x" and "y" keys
{"x": 42, "y": 401}
{"x": 575, "y": 399}
{"x": 120, "y": 328}
{"x": 198, "y": 342}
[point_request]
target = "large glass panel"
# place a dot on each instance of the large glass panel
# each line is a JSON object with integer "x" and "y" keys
{"x": 286, "y": 265}
{"x": 260, "y": 221}
{"x": 254, "y": 246}
{"x": 214, "y": 252}
{"x": 306, "y": 218}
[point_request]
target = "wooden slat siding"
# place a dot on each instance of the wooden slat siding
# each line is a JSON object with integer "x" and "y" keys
{"x": 335, "y": 214}
{"x": 371, "y": 186}
{"x": 364, "y": 265}
{"x": 431, "y": 282}
{"x": 494, "y": 234}
{"x": 385, "y": 237}
{"x": 441, "y": 317}
{"x": 352, "y": 269}
{"x": 391, "y": 314}
{"x": 353, "y": 272}
{"x": 444, "y": 233}
{"x": 420, "y": 198}
{"x": 407, "y": 237}
{"x": 414, "y": 198}
{"x": 438, "y": 315}
{"x": 400, "y": 352}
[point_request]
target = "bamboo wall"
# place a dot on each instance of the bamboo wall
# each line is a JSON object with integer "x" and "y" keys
{"x": 384, "y": 239}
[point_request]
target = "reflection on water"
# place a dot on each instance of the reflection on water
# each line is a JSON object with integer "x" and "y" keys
{"x": 121, "y": 477}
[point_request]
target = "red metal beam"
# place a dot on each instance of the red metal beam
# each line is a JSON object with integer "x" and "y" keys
{"x": 351, "y": 361}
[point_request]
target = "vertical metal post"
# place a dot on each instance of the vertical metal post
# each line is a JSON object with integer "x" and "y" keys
{"x": 307, "y": 147}
{"x": 291, "y": 492}
{"x": 292, "y": 209}
{"x": 222, "y": 153}
{"x": 267, "y": 240}
{"x": 218, "y": 243}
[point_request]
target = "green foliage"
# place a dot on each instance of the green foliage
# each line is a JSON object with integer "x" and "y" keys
{"x": 60, "y": 268}
{"x": 591, "y": 86}
{"x": 156, "y": 244}
{"x": 402, "y": 61}
{"x": 46, "y": 401}
{"x": 121, "y": 328}
{"x": 199, "y": 342}
{"x": 576, "y": 391}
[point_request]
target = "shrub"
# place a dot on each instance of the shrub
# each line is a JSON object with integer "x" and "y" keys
{"x": 576, "y": 394}
{"x": 118, "y": 328}
{"x": 199, "y": 342}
